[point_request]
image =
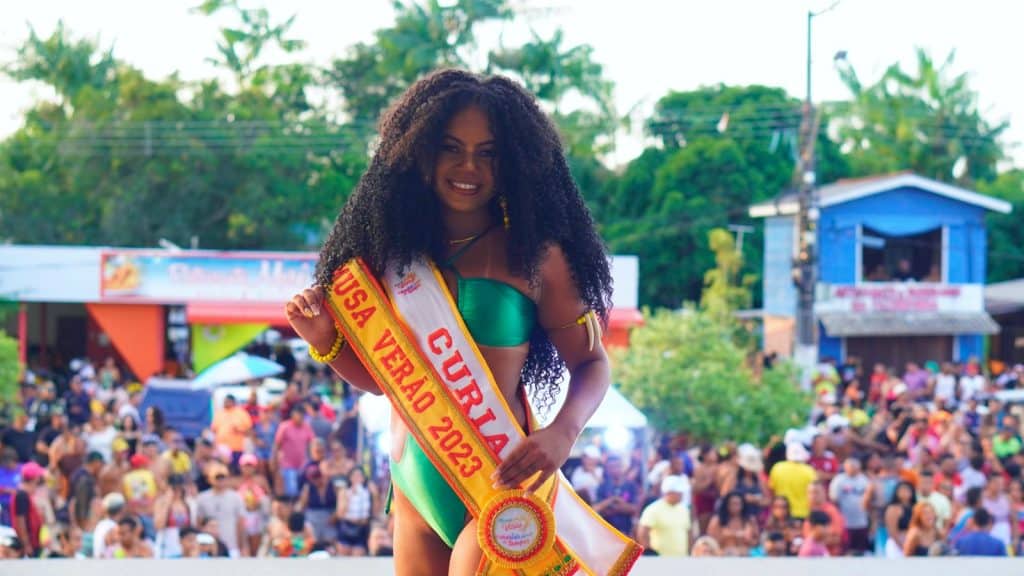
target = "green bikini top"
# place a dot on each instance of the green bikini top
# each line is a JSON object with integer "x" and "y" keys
{"x": 495, "y": 312}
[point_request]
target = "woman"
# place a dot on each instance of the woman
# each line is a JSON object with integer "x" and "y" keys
{"x": 130, "y": 432}
{"x": 1017, "y": 513}
{"x": 355, "y": 509}
{"x": 734, "y": 527}
{"x": 781, "y": 520}
{"x": 338, "y": 464}
{"x": 255, "y": 492}
{"x": 99, "y": 436}
{"x": 109, "y": 375}
{"x": 995, "y": 499}
{"x": 470, "y": 173}
{"x": 897, "y": 519}
{"x": 172, "y": 512}
{"x": 705, "y": 487}
{"x": 155, "y": 421}
{"x": 747, "y": 480}
{"x": 318, "y": 499}
{"x": 923, "y": 532}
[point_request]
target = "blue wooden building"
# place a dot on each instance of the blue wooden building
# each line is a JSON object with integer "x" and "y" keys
{"x": 901, "y": 270}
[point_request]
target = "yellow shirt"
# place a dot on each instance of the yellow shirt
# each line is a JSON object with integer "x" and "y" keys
{"x": 180, "y": 464}
{"x": 231, "y": 428}
{"x": 791, "y": 479}
{"x": 669, "y": 526}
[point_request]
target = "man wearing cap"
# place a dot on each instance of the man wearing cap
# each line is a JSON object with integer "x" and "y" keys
{"x": 140, "y": 492}
{"x": 111, "y": 477}
{"x": 231, "y": 425}
{"x": 792, "y": 478}
{"x": 26, "y": 519}
{"x": 113, "y": 506}
{"x": 665, "y": 523}
{"x": 226, "y": 506}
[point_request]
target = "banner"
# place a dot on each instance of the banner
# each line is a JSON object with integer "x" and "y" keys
{"x": 211, "y": 343}
{"x": 141, "y": 276}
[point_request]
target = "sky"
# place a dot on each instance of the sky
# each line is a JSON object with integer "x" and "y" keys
{"x": 647, "y": 47}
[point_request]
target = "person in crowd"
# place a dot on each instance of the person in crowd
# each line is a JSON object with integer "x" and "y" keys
{"x": 173, "y": 512}
{"x": 290, "y": 445}
{"x": 318, "y": 500}
{"x": 111, "y": 478}
{"x": 264, "y": 430}
{"x": 188, "y": 537}
{"x": 705, "y": 486}
{"x": 748, "y": 481}
{"x": 978, "y": 541}
{"x": 26, "y": 518}
{"x": 774, "y": 545}
{"x": 255, "y": 492}
{"x": 113, "y": 507}
{"x": 665, "y": 524}
{"x": 849, "y": 491}
{"x": 996, "y": 500}
{"x": 231, "y": 425}
{"x": 814, "y": 543}
{"x": 176, "y": 459}
{"x": 84, "y": 509}
{"x": 897, "y": 518}
{"x": 924, "y": 532}
{"x": 354, "y": 513}
{"x": 792, "y": 479}
{"x": 225, "y": 506}
{"x": 296, "y": 541}
{"x": 588, "y": 475}
{"x": 99, "y": 434}
{"x": 381, "y": 542}
{"x": 781, "y": 520}
{"x": 130, "y": 543}
{"x": 941, "y": 505}
{"x": 822, "y": 460}
{"x": 706, "y": 547}
{"x": 618, "y": 499}
{"x": 140, "y": 490}
{"x": 835, "y": 536}
{"x": 734, "y": 527}
{"x": 77, "y": 402}
{"x": 338, "y": 463}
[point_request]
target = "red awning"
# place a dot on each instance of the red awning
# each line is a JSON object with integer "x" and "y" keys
{"x": 625, "y": 318}
{"x": 236, "y": 313}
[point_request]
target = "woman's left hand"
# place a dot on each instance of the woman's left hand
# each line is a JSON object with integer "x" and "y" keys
{"x": 543, "y": 451}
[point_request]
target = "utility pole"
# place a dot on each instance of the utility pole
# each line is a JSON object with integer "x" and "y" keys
{"x": 805, "y": 263}
{"x": 741, "y": 231}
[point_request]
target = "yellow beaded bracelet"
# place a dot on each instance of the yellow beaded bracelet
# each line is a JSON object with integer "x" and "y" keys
{"x": 339, "y": 343}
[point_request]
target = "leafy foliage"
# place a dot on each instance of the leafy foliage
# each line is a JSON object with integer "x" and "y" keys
{"x": 10, "y": 368}
{"x": 686, "y": 374}
{"x": 1005, "y": 233}
{"x": 927, "y": 122}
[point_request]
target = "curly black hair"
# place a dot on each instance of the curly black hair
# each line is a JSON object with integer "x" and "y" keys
{"x": 394, "y": 215}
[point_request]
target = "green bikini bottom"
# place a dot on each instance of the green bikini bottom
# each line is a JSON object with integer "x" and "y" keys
{"x": 428, "y": 492}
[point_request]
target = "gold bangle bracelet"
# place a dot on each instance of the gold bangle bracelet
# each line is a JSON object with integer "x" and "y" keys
{"x": 339, "y": 343}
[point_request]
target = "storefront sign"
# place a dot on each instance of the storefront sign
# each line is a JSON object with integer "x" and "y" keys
{"x": 900, "y": 297}
{"x": 129, "y": 276}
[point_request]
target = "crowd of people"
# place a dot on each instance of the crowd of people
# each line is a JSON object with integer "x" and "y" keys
{"x": 924, "y": 461}
{"x": 89, "y": 472}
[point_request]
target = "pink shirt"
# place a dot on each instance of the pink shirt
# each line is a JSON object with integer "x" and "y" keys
{"x": 291, "y": 442}
{"x": 812, "y": 549}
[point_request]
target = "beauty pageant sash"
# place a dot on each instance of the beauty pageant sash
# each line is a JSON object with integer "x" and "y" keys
{"x": 413, "y": 342}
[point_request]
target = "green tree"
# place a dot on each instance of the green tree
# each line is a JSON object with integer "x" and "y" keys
{"x": 10, "y": 368}
{"x": 1005, "y": 233}
{"x": 926, "y": 121}
{"x": 722, "y": 148}
{"x": 687, "y": 375}
{"x": 725, "y": 291}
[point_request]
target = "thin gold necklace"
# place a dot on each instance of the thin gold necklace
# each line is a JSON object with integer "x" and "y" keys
{"x": 469, "y": 238}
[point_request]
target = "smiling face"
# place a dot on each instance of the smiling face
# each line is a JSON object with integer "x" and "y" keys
{"x": 464, "y": 170}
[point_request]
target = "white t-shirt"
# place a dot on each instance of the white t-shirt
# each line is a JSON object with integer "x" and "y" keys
{"x": 971, "y": 386}
{"x": 587, "y": 482}
{"x": 945, "y": 386}
{"x": 99, "y": 537}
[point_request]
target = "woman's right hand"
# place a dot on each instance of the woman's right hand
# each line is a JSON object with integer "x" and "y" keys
{"x": 307, "y": 314}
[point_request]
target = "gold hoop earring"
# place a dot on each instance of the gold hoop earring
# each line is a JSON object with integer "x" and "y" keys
{"x": 503, "y": 202}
